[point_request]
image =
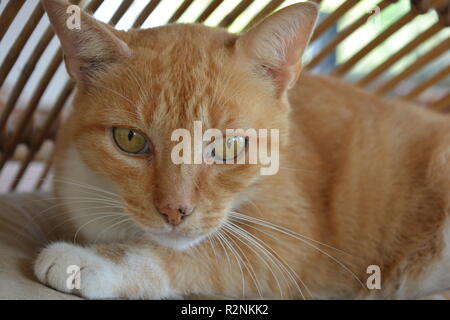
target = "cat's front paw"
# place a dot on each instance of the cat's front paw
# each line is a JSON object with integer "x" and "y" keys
{"x": 74, "y": 269}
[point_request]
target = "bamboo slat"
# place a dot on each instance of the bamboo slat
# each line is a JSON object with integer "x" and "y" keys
{"x": 42, "y": 134}
{"x": 31, "y": 131}
{"x": 209, "y": 10}
{"x": 231, "y": 17}
{"x": 8, "y": 15}
{"x": 344, "y": 34}
{"x": 442, "y": 104}
{"x": 331, "y": 19}
{"x": 31, "y": 107}
{"x": 397, "y": 25}
{"x": 421, "y": 38}
{"x": 124, "y": 6}
{"x": 92, "y": 6}
{"x": 425, "y": 5}
{"x": 27, "y": 69}
{"x": 20, "y": 42}
{"x": 268, "y": 9}
{"x": 182, "y": 9}
{"x": 428, "y": 83}
{"x": 148, "y": 9}
{"x": 43, "y": 176}
{"x": 61, "y": 102}
{"x": 22, "y": 81}
{"x": 420, "y": 63}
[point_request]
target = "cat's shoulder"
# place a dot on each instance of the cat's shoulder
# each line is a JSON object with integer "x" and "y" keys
{"x": 328, "y": 93}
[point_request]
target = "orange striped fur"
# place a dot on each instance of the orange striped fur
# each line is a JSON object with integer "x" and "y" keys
{"x": 362, "y": 181}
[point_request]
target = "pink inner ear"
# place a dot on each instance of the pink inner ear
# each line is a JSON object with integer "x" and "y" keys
{"x": 278, "y": 75}
{"x": 284, "y": 76}
{"x": 290, "y": 64}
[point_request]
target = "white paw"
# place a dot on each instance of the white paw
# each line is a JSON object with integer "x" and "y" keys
{"x": 56, "y": 265}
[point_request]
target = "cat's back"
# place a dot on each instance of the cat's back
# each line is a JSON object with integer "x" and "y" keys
{"x": 331, "y": 112}
{"x": 380, "y": 160}
{"x": 355, "y": 130}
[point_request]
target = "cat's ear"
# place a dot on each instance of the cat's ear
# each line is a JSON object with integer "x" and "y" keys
{"x": 277, "y": 44}
{"x": 89, "y": 45}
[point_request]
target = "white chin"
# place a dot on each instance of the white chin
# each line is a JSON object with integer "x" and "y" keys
{"x": 175, "y": 241}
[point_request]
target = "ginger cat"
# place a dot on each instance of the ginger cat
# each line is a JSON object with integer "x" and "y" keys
{"x": 363, "y": 183}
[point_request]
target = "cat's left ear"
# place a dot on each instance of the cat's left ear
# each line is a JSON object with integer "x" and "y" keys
{"x": 90, "y": 47}
{"x": 277, "y": 44}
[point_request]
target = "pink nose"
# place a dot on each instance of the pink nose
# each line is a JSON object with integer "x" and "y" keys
{"x": 174, "y": 216}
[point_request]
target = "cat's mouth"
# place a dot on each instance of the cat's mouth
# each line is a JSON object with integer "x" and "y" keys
{"x": 174, "y": 239}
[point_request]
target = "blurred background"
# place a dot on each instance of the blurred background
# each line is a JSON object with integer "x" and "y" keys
{"x": 393, "y": 48}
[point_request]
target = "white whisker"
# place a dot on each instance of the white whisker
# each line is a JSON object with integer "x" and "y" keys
{"x": 237, "y": 257}
{"x": 267, "y": 265}
{"x": 250, "y": 266}
{"x": 277, "y": 257}
{"x": 296, "y": 236}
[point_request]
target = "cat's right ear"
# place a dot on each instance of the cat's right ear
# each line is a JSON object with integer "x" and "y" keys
{"x": 277, "y": 44}
{"x": 89, "y": 47}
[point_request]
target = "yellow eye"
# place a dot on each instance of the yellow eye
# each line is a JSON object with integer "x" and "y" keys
{"x": 130, "y": 141}
{"x": 228, "y": 148}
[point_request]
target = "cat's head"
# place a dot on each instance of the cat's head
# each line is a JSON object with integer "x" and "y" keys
{"x": 136, "y": 89}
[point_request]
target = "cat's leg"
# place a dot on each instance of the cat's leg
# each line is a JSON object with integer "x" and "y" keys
{"x": 113, "y": 271}
{"x": 144, "y": 270}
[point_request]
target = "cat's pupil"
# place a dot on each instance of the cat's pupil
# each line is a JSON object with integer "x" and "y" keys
{"x": 130, "y": 135}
